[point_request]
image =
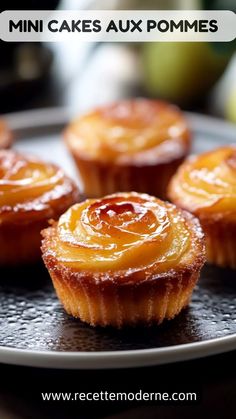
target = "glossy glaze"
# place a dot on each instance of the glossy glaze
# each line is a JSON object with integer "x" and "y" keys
{"x": 30, "y": 185}
{"x": 128, "y": 129}
{"x": 122, "y": 232}
{"x": 206, "y": 184}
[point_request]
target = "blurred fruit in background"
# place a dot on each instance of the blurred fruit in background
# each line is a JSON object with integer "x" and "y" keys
{"x": 186, "y": 72}
{"x": 230, "y": 108}
{"x": 182, "y": 72}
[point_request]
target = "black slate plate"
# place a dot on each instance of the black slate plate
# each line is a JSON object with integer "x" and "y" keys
{"x": 32, "y": 317}
{"x": 34, "y": 329}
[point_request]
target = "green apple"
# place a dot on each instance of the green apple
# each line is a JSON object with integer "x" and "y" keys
{"x": 230, "y": 110}
{"x": 182, "y": 72}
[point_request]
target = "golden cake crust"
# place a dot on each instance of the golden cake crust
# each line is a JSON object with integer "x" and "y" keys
{"x": 109, "y": 133}
{"x": 195, "y": 260}
{"x": 31, "y": 192}
{"x": 205, "y": 185}
{"x": 126, "y": 145}
{"x": 112, "y": 294}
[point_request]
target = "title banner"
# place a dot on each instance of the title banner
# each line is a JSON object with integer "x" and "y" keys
{"x": 118, "y": 26}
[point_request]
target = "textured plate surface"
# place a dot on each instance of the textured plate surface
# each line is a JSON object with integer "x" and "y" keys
{"x": 36, "y": 331}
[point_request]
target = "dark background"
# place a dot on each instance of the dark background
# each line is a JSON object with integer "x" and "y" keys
{"x": 80, "y": 76}
{"x": 213, "y": 379}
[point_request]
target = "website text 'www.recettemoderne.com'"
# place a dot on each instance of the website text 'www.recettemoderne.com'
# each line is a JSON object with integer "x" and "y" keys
{"x": 138, "y": 396}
